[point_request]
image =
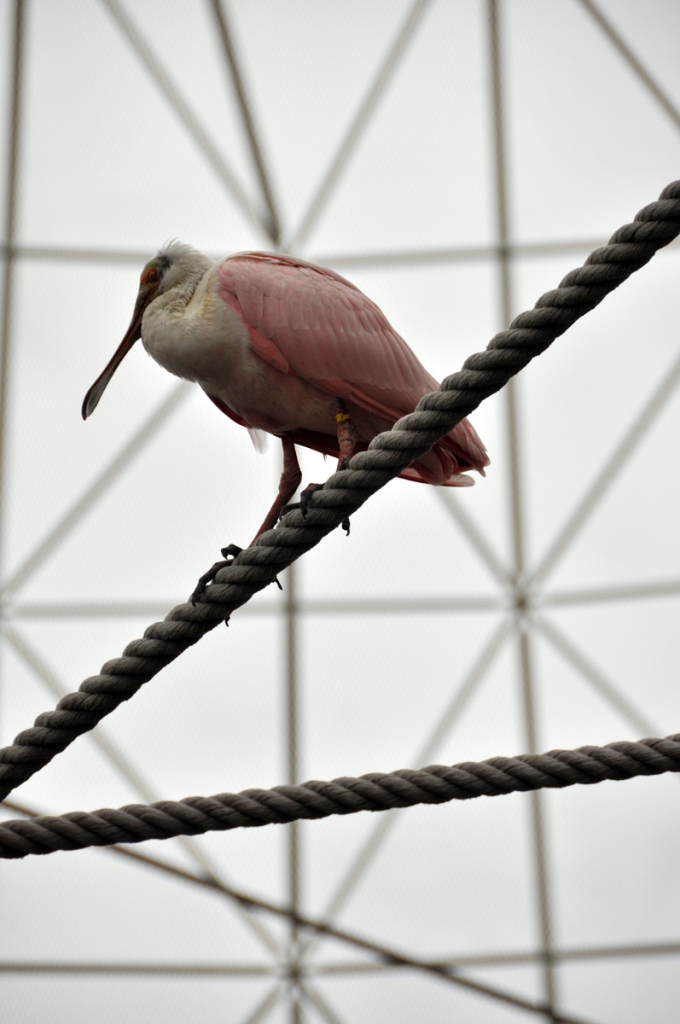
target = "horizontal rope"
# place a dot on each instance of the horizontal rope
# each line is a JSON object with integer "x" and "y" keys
{"x": 343, "y": 493}
{"x": 252, "y": 808}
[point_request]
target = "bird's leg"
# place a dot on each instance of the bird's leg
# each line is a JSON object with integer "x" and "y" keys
{"x": 291, "y": 477}
{"x": 347, "y": 442}
{"x": 347, "y": 439}
{"x": 229, "y": 553}
{"x": 288, "y": 484}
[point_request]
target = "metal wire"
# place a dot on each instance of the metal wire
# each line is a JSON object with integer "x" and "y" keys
{"x": 634, "y": 63}
{"x": 385, "y": 954}
{"x": 94, "y": 491}
{"x": 542, "y": 886}
{"x": 273, "y": 224}
{"x": 132, "y": 775}
{"x": 183, "y": 112}
{"x": 10, "y": 223}
{"x": 358, "y": 125}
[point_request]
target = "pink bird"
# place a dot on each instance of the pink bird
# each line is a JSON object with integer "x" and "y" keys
{"x": 283, "y": 346}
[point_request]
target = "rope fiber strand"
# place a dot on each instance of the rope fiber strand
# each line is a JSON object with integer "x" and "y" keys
{"x": 437, "y": 784}
{"x": 388, "y": 454}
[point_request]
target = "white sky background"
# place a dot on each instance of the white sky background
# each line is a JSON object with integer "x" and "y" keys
{"x": 104, "y": 164}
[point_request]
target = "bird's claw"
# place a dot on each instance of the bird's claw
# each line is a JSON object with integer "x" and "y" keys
{"x": 303, "y": 503}
{"x": 229, "y": 553}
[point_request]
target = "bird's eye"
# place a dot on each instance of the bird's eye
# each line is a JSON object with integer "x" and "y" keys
{"x": 150, "y": 275}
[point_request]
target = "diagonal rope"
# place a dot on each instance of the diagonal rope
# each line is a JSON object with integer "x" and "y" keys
{"x": 252, "y": 808}
{"x": 483, "y": 374}
{"x": 38, "y": 667}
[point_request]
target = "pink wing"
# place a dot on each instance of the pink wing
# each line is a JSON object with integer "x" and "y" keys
{"x": 311, "y": 321}
{"x": 324, "y": 329}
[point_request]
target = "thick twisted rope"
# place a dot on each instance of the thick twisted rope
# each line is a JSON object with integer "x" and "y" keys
{"x": 437, "y": 784}
{"x": 388, "y": 454}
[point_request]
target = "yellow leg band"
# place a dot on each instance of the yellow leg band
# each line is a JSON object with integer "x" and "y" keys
{"x": 341, "y": 417}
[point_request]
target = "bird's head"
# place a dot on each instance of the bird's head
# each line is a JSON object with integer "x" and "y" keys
{"x": 149, "y": 285}
{"x": 175, "y": 264}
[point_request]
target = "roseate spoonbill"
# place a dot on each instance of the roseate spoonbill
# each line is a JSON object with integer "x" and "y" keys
{"x": 283, "y": 346}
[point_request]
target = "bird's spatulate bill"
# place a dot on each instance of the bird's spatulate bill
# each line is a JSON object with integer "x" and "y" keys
{"x": 134, "y": 332}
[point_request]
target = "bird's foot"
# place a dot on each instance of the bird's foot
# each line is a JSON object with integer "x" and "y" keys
{"x": 303, "y": 503}
{"x": 229, "y": 554}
